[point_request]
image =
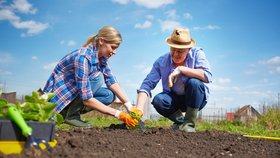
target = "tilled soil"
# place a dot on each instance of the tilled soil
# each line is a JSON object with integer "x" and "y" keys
{"x": 155, "y": 142}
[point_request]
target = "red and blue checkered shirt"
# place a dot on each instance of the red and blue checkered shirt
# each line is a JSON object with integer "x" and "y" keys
{"x": 72, "y": 75}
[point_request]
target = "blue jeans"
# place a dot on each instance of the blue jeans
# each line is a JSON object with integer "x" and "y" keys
{"x": 102, "y": 94}
{"x": 166, "y": 103}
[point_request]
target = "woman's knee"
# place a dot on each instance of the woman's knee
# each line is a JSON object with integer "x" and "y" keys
{"x": 105, "y": 96}
{"x": 110, "y": 97}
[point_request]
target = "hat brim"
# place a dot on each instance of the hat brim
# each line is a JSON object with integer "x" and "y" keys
{"x": 168, "y": 41}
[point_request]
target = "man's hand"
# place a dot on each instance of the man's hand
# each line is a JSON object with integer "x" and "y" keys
{"x": 136, "y": 111}
{"x": 173, "y": 77}
{"x": 127, "y": 119}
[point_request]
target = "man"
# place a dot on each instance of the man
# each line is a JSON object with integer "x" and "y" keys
{"x": 183, "y": 72}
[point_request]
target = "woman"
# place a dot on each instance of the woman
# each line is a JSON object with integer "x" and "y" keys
{"x": 78, "y": 77}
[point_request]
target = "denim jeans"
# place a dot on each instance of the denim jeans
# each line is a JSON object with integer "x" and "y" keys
{"x": 166, "y": 103}
{"x": 102, "y": 94}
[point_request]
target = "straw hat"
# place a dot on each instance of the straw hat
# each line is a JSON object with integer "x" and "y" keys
{"x": 180, "y": 38}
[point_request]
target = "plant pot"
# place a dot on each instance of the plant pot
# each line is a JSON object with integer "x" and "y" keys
{"x": 9, "y": 131}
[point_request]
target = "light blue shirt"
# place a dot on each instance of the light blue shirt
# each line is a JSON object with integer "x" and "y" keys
{"x": 163, "y": 66}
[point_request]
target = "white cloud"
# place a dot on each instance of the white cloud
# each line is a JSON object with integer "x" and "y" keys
{"x": 4, "y": 73}
{"x": 209, "y": 27}
{"x": 62, "y": 42}
{"x": 171, "y": 14}
{"x": 121, "y": 1}
{"x": 213, "y": 27}
{"x": 151, "y": 4}
{"x": 5, "y": 58}
{"x": 143, "y": 68}
{"x": 71, "y": 43}
{"x": 263, "y": 94}
{"x": 151, "y": 17}
{"x": 8, "y": 13}
{"x": 145, "y": 25}
{"x": 250, "y": 72}
{"x": 50, "y": 66}
{"x": 274, "y": 61}
{"x": 23, "y": 6}
{"x": 117, "y": 18}
{"x": 265, "y": 80}
{"x": 216, "y": 87}
{"x": 223, "y": 80}
{"x": 168, "y": 25}
{"x": 188, "y": 16}
{"x": 273, "y": 64}
{"x": 32, "y": 27}
{"x": 34, "y": 57}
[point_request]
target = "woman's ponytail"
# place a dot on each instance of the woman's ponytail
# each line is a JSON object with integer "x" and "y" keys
{"x": 91, "y": 40}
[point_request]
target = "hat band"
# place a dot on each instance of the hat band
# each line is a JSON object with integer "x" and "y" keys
{"x": 181, "y": 43}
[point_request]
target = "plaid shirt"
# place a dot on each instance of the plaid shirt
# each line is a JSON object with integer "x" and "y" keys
{"x": 72, "y": 75}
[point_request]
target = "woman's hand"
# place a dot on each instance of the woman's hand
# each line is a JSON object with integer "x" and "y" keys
{"x": 126, "y": 118}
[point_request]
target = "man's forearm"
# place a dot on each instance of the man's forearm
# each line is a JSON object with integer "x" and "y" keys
{"x": 193, "y": 73}
{"x": 141, "y": 100}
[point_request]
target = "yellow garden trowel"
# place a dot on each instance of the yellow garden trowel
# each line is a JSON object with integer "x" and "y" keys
{"x": 15, "y": 147}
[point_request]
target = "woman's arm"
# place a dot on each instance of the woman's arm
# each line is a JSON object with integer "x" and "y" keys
{"x": 119, "y": 92}
{"x": 97, "y": 105}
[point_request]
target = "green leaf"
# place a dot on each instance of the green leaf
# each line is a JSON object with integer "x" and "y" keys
{"x": 133, "y": 114}
{"x": 30, "y": 99}
{"x": 3, "y": 102}
{"x": 35, "y": 108}
{"x": 31, "y": 116}
{"x": 59, "y": 119}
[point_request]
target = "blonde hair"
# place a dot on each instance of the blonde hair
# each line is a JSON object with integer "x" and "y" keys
{"x": 108, "y": 33}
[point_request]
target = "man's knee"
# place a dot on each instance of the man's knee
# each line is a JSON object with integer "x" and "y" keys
{"x": 193, "y": 82}
{"x": 162, "y": 105}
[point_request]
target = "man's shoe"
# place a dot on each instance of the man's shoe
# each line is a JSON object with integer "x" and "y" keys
{"x": 186, "y": 127}
{"x": 177, "y": 117}
{"x": 77, "y": 123}
{"x": 175, "y": 126}
{"x": 189, "y": 123}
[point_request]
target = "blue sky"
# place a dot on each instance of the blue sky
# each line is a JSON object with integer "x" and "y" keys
{"x": 240, "y": 38}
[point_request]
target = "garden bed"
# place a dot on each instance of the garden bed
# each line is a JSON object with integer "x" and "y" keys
{"x": 156, "y": 142}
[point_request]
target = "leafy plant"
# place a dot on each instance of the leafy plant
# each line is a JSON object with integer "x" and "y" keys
{"x": 35, "y": 108}
{"x": 133, "y": 114}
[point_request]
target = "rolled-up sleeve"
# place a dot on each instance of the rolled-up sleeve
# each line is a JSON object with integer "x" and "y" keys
{"x": 81, "y": 75}
{"x": 202, "y": 63}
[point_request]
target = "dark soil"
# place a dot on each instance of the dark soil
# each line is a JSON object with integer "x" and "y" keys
{"x": 156, "y": 142}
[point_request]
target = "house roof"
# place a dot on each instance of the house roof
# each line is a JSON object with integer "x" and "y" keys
{"x": 244, "y": 109}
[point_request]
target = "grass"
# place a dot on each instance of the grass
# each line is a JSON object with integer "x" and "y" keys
{"x": 267, "y": 125}
{"x": 251, "y": 129}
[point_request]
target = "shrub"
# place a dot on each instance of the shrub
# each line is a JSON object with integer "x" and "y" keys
{"x": 271, "y": 118}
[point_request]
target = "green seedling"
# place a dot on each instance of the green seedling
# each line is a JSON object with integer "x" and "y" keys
{"x": 35, "y": 108}
{"x": 133, "y": 114}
